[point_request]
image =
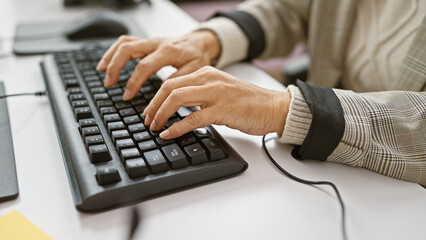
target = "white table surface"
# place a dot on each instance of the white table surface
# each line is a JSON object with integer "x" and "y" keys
{"x": 259, "y": 204}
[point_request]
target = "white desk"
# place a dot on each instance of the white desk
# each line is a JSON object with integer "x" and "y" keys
{"x": 259, "y": 204}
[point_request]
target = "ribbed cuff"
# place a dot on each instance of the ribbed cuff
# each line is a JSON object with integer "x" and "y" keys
{"x": 233, "y": 42}
{"x": 298, "y": 120}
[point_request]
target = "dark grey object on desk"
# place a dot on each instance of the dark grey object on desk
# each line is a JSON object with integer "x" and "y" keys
{"x": 44, "y": 37}
{"x": 8, "y": 180}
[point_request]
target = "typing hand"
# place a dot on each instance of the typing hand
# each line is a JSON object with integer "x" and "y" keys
{"x": 187, "y": 54}
{"x": 224, "y": 100}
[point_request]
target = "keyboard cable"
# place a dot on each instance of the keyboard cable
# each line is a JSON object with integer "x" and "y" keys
{"x": 38, "y": 94}
{"x": 308, "y": 182}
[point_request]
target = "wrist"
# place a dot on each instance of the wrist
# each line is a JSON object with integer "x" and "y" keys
{"x": 281, "y": 108}
{"x": 211, "y": 44}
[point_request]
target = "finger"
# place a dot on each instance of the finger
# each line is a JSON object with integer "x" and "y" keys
{"x": 187, "y": 69}
{"x": 145, "y": 68}
{"x": 124, "y": 53}
{"x": 102, "y": 65}
{"x": 193, "y": 121}
{"x": 187, "y": 97}
{"x": 166, "y": 88}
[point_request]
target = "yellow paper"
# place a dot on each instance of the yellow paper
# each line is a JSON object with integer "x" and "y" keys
{"x": 14, "y": 226}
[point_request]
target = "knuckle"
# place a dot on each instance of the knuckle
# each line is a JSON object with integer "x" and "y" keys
{"x": 208, "y": 70}
{"x": 124, "y": 38}
{"x": 176, "y": 94}
{"x": 168, "y": 85}
{"x": 124, "y": 48}
{"x": 143, "y": 65}
{"x": 168, "y": 48}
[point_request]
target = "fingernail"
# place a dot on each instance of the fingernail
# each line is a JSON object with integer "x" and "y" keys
{"x": 101, "y": 65}
{"x": 147, "y": 120}
{"x": 153, "y": 125}
{"x": 165, "y": 134}
{"x": 127, "y": 95}
{"x": 107, "y": 81}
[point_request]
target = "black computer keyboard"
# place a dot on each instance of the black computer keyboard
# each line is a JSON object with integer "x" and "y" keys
{"x": 112, "y": 158}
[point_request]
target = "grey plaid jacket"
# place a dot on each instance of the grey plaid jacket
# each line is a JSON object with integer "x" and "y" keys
{"x": 383, "y": 131}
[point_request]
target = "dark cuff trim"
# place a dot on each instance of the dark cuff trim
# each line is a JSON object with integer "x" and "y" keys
{"x": 251, "y": 28}
{"x": 328, "y": 123}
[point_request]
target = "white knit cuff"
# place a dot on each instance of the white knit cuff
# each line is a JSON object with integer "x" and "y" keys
{"x": 233, "y": 42}
{"x": 298, "y": 120}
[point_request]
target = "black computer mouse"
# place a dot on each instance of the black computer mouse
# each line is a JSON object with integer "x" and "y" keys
{"x": 102, "y": 25}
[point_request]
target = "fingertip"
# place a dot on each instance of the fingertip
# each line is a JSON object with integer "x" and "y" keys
{"x": 127, "y": 95}
{"x": 107, "y": 81}
{"x": 166, "y": 135}
{"x": 101, "y": 65}
{"x": 147, "y": 120}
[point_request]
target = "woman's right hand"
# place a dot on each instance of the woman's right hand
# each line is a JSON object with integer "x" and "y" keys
{"x": 187, "y": 53}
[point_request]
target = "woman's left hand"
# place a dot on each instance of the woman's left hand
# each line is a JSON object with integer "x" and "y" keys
{"x": 224, "y": 100}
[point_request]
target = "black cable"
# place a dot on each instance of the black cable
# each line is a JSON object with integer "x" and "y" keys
{"x": 38, "y": 94}
{"x": 297, "y": 179}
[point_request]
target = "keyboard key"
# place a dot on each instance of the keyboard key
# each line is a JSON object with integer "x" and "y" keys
{"x": 156, "y": 161}
{"x": 115, "y": 126}
{"x": 214, "y": 149}
{"x": 89, "y": 73}
{"x": 71, "y": 83}
{"x": 101, "y": 96}
{"x": 140, "y": 108}
{"x": 86, "y": 131}
{"x": 139, "y": 101}
{"x": 111, "y": 117}
{"x": 138, "y": 127}
{"x": 172, "y": 121}
{"x": 156, "y": 133}
{"x": 122, "y": 105}
{"x": 99, "y": 153}
{"x": 156, "y": 81}
{"x": 196, "y": 153}
{"x": 116, "y": 91}
{"x": 83, "y": 112}
{"x": 97, "y": 90}
{"x": 119, "y": 134}
{"x": 79, "y": 103}
{"x": 129, "y": 153}
{"x": 92, "y": 78}
{"x": 107, "y": 110}
{"x": 94, "y": 84}
{"x": 117, "y": 98}
{"x": 175, "y": 156}
{"x": 87, "y": 122}
{"x": 131, "y": 119}
{"x": 92, "y": 140}
{"x": 186, "y": 139}
{"x": 147, "y": 88}
{"x": 164, "y": 142}
{"x": 147, "y": 145}
{"x": 183, "y": 112}
{"x": 149, "y": 95}
{"x": 127, "y": 112}
{"x": 77, "y": 96}
{"x": 202, "y": 133}
{"x": 74, "y": 90}
{"x": 103, "y": 103}
{"x": 141, "y": 136}
{"x": 107, "y": 175}
{"x": 136, "y": 167}
{"x": 124, "y": 143}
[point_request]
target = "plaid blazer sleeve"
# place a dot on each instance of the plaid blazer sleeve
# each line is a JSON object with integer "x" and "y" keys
{"x": 384, "y": 132}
